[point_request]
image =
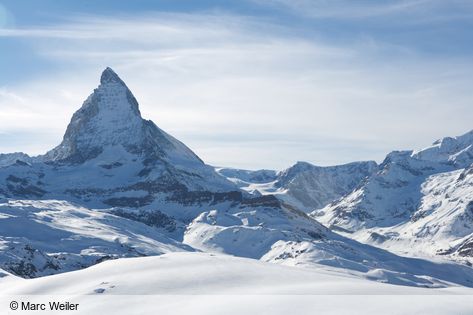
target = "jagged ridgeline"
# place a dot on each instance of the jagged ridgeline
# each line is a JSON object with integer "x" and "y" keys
{"x": 122, "y": 159}
{"x": 119, "y": 186}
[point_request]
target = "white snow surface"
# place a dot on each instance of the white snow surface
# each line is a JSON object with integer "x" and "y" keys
{"x": 202, "y": 273}
{"x": 418, "y": 204}
{"x": 303, "y": 185}
{"x": 202, "y": 283}
{"x": 457, "y": 151}
{"x": 41, "y": 237}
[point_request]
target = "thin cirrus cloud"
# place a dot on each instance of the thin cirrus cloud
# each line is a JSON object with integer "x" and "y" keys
{"x": 400, "y": 11}
{"x": 242, "y": 91}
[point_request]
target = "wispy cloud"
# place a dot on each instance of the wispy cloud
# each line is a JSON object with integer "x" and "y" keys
{"x": 417, "y": 11}
{"x": 242, "y": 91}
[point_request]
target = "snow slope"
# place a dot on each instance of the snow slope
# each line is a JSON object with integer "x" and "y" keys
{"x": 202, "y": 283}
{"x": 303, "y": 185}
{"x": 418, "y": 204}
{"x": 457, "y": 151}
{"x": 244, "y": 178}
{"x": 288, "y": 236}
{"x": 314, "y": 186}
{"x": 44, "y": 237}
{"x": 202, "y": 273}
{"x": 7, "y": 159}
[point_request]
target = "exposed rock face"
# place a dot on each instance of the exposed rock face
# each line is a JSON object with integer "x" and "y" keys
{"x": 111, "y": 155}
{"x": 304, "y": 185}
{"x": 109, "y": 117}
{"x": 19, "y": 158}
{"x": 316, "y": 186}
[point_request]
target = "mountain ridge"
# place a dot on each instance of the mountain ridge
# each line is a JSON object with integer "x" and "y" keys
{"x": 118, "y": 186}
{"x": 418, "y": 203}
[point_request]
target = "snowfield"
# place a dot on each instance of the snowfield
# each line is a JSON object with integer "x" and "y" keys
{"x": 49, "y": 236}
{"x": 202, "y": 283}
{"x": 419, "y": 204}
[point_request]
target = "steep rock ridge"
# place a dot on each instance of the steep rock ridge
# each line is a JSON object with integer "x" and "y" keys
{"x": 109, "y": 117}
{"x": 19, "y": 158}
{"x": 316, "y": 186}
{"x": 418, "y": 203}
{"x": 304, "y": 185}
{"x": 110, "y": 154}
{"x": 387, "y": 198}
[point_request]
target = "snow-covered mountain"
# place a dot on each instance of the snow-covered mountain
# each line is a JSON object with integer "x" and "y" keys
{"x": 244, "y": 178}
{"x": 457, "y": 151}
{"x": 111, "y": 153}
{"x": 110, "y": 117}
{"x": 111, "y": 167}
{"x": 418, "y": 203}
{"x": 304, "y": 185}
{"x": 118, "y": 186}
{"x": 43, "y": 237}
{"x": 314, "y": 186}
{"x": 7, "y": 159}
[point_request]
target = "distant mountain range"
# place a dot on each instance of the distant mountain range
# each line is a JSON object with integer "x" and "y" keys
{"x": 119, "y": 186}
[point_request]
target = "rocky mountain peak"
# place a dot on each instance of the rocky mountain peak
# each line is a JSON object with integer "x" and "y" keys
{"x": 110, "y": 117}
{"x": 110, "y": 76}
{"x": 115, "y": 95}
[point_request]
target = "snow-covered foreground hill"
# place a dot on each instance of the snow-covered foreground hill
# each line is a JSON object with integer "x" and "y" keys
{"x": 44, "y": 237}
{"x": 203, "y": 283}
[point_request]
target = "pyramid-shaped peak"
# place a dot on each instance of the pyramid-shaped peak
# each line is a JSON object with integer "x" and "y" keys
{"x": 110, "y": 76}
{"x": 110, "y": 117}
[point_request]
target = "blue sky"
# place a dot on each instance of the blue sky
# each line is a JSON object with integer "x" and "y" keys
{"x": 246, "y": 83}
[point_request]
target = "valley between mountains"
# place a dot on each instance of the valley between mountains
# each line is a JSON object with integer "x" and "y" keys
{"x": 118, "y": 190}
